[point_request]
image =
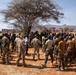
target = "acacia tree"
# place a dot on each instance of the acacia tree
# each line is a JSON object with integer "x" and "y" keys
{"x": 23, "y": 13}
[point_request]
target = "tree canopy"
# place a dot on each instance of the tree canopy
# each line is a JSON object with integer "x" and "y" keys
{"x": 23, "y": 13}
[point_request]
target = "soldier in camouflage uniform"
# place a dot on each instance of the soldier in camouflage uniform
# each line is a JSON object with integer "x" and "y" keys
{"x": 17, "y": 40}
{"x": 74, "y": 41}
{"x": 61, "y": 51}
{"x": 21, "y": 51}
{"x": 1, "y": 45}
{"x": 70, "y": 48}
{"x": 56, "y": 41}
{"x": 36, "y": 45}
{"x": 5, "y": 45}
{"x": 49, "y": 50}
{"x": 43, "y": 43}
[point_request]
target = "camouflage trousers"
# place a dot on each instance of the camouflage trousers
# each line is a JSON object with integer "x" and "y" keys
{"x": 5, "y": 57}
{"x": 61, "y": 60}
{"x": 36, "y": 51}
{"x": 43, "y": 48}
{"x": 70, "y": 55}
{"x": 55, "y": 52}
{"x": 21, "y": 55}
{"x": 49, "y": 52}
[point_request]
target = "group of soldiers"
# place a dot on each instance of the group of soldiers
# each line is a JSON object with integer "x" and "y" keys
{"x": 61, "y": 47}
{"x": 9, "y": 44}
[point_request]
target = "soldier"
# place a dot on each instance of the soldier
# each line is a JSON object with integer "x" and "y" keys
{"x": 17, "y": 42}
{"x": 5, "y": 45}
{"x": 13, "y": 41}
{"x": 74, "y": 41}
{"x": 36, "y": 45}
{"x": 26, "y": 44}
{"x": 49, "y": 50}
{"x": 43, "y": 43}
{"x": 1, "y": 44}
{"x": 56, "y": 41}
{"x": 70, "y": 48}
{"x": 21, "y": 51}
{"x": 61, "y": 51}
{"x": 31, "y": 36}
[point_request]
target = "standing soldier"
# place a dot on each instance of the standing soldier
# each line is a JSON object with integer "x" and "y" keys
{"x": 36, "y": 45}
{"x": 1, "y": 44}
{"x": 74, "y": 41}
{"x": 43, "y": 43}
{"x": 56, "y": 41}
{"x": 17, "y": 40}
{"x": 26, "y": 44}
{"x": 21, "y": 51}
{"x": 70, "y": 48}
{"x": 61, "y": 51}
{"x": 5, "y": 45}
{"x": 49, "y": 50}
{"x": 13, "y": 41}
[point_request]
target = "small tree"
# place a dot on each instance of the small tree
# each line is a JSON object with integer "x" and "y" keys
{"x": 23, "y": 13}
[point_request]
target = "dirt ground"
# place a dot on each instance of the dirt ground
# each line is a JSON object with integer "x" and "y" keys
{"x": 34, "y": 67}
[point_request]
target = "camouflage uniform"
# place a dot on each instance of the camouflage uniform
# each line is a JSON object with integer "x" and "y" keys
{"x": 17, "y": 41}
{"x": 36, "y": 45}
{"x": 61, "y": 51}
{"x": 74, "y": 41}
{"x": 21, "y": 52}
{"x": 1, "y": 46}
{"x": 70, "y": 49}
{"x": 43, "y": 43}
{"x": 5, "y": 45}
{"x": 56, "y": 41}
{"x": 49, "y": 51}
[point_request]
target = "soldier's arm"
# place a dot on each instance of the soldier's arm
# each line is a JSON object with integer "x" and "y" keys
{"x": 58, "y": 47}
{"x": 23, "y": 45}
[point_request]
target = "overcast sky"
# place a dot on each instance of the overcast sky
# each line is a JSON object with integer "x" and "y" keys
{"x": 68, "y": 8}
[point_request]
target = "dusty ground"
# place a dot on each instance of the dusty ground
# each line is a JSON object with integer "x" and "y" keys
{"x": 34, "y": 67}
